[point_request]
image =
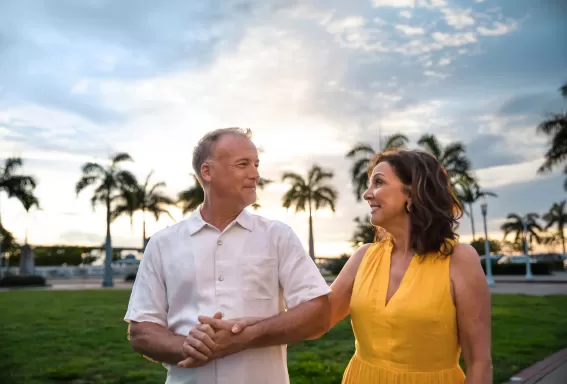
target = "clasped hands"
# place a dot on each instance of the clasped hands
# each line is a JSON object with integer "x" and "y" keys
{"x": 213, "y": 338}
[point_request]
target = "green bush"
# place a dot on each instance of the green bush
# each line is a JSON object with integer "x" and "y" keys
{"x": 130, "y": 277}
{"x": 518, "y": 269}
{"x": 22, "y": 281}
{"x": 336, "y": 265}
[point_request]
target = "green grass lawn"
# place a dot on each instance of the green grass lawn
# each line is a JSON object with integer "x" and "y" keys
{"x": 80, "y": 338}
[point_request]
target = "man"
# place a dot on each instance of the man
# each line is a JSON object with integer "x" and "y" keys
{"x": 225, "y": 262}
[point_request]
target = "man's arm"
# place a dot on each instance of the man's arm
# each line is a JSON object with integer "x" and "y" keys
{"x": 295, "y": 325}
{"x": 156, "y": 342}
{"x": 147, "y": 314}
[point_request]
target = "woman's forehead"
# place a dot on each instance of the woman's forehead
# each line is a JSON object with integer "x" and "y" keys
{"x": 383, "y": 168}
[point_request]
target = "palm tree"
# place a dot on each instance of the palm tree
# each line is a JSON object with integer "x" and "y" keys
{"x": 364, "y": 232}
{"x": 515, "y": 225}
{"x": 192, "y": 197}
{"x": 146, "y": 199}
{"x": 110, "y": 183}
{"x": 310, "y": 195}
{"x": 555, "y": 127}
{"x": 469, "y": 192}
{"x": 557, "y": 215}
{"x": 452, "y": 156}
{"x": 363, "y": 154}
{"x": 15, "y": 184}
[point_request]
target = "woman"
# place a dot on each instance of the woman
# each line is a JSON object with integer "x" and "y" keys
{"x": 416, "y": 297}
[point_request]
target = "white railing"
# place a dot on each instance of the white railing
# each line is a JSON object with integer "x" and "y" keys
{"x": 75, "y": 271}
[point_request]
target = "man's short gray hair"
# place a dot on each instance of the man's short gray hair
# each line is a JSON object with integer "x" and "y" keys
{"x": 204, "y": 148}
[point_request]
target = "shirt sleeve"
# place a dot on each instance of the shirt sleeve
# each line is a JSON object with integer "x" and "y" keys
{"x": 148, "y": 300}
{"x": 299, "y": 276}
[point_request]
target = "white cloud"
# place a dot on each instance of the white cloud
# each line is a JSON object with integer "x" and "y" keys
{"x": 508, "y": 174}
{"x": 435, "y": 74}
{"x": 405, "y": 14}
{"x": 444, "y": 61}
{"x": 456, "y": 39}
{"x": 393, "y": 3}
{"x": 458, "y": 18}
{"x": 409, "y": 30}
{"x": 498, "y": 29}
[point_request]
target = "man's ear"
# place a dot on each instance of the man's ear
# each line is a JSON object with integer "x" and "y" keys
{"x": 206, "y": 171}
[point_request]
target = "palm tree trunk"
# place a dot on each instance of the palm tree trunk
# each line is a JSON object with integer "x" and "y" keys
{"x": 562, "y": 238}
{"x": 311, "y": 242}
{"x": 472, "y": 221}
{"x": 144, "y": 229}
{"x": 107, "y": 281}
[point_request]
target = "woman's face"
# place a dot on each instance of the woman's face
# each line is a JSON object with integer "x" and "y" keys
{"x": 385, "y": 195}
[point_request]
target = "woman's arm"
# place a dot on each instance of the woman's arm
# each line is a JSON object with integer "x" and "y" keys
{"x": 472, "y": 300}
{"x": 341, "y": 288}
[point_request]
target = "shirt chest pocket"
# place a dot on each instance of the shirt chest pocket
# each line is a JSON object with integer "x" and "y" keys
{"x": 259, "y": 278}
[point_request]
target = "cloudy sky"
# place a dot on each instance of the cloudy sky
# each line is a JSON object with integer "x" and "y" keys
{"x": 80, "y": 81}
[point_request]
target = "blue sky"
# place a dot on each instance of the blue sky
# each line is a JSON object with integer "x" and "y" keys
{"x": 82, "y": 80}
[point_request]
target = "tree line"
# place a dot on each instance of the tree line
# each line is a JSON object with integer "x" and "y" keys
{"x": 120, "y": 193}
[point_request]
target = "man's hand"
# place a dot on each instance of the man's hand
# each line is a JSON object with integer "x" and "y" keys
{"x": 213, "y": 338}
{"x": 233, "y": 325}
{"x": 198, "y": 346}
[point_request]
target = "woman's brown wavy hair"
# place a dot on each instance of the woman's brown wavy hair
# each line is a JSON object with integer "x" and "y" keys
{"x": 434, "y": 210}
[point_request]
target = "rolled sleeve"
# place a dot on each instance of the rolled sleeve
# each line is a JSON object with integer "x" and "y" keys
{"x": 148, "y": 300}
{"x": 299, "y": 276}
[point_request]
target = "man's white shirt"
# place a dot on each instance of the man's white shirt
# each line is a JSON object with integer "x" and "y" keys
{"x": 255, "y": 268}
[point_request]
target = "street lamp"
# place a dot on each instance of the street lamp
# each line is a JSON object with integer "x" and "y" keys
{"x": 487, "y": 259}
{"x": 529, "y": 275}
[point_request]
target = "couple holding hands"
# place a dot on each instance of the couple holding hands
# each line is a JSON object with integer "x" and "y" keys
{"x": 218, "y": 296}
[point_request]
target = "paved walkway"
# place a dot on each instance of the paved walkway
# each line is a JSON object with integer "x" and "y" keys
{"x": 552, "y": 370}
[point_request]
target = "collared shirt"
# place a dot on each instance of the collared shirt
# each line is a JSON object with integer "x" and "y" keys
{"x": 255, "y": 268}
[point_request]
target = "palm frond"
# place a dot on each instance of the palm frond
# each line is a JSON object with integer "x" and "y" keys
{"x": 431, "y": 144}
{"x": 119, "y": 158}
{"x": 396, "y": 140}
{"x": 361, "y": 149}
{"x": 11, "y": 164}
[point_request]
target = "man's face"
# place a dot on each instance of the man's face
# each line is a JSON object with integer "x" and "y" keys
{"x": 232, "y": 172}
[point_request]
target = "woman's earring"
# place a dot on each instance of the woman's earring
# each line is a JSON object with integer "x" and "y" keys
{"x": 408, "y": 206}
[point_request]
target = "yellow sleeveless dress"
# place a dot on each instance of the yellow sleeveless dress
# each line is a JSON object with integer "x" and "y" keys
{"x": 411, "y": 340}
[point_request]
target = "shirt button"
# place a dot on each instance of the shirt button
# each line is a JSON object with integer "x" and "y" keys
{"x": 221, "y": 278}
{"x": 219, "y": 242}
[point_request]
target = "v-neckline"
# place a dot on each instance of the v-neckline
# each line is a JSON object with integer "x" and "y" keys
{"x": 387, "y": 303}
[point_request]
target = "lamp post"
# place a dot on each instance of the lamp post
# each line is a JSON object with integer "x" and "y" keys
{"x": 487, "y": 259}
{"x": 529, "y": 275}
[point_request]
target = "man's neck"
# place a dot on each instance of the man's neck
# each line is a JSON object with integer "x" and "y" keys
{"x": 218, "y": 214}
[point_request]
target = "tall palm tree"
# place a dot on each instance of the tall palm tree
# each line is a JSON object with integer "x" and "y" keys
{"x": 15, "y": 184}
{"x": 515, "y": 225}
{"x": 469, "y": 192}
{"x": 557, "y": 215}
{"x": 192, "y": 197}
{"x": 146, "y": 199}
{"x": 555, "y": 127}
{"x": 452, "y": 156}
{"x": 363, "y": 153}
{"x": 310, "y": 195}
{"x": 109, "y": 183}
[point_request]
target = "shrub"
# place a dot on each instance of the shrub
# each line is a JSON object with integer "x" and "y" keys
{"x": 518, "y": 269}
{"x": 130, "y": 277}
{"x": 22, "y": 281}
{"x": 336, "y": 265}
